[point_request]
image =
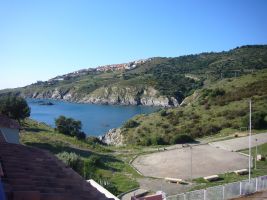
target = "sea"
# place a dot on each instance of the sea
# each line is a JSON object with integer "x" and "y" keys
{"x": 96, "y": 119}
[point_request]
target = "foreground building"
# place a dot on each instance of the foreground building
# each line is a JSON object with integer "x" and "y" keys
{"x": 9, "y": 130}
{"x": 28, "y": 173}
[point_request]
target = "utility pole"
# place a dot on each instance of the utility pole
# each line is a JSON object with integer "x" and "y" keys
{"x": 256, "y": 153}
{"x": 191, "y": 164}
{"x": 249, "y": 141}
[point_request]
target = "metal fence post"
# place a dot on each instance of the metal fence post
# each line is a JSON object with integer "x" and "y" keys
{"x": 184, "y": 196}
{"x": 204, "y": 194}
{"x": 240, "y": 193}
{"x": 223, "y": 192}
{"x": 256, "y": 184}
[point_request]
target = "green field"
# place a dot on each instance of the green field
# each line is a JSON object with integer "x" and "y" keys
{"x": 110, "y": 167}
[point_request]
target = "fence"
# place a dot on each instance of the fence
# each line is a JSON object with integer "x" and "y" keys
{"x": 224, "y": 192}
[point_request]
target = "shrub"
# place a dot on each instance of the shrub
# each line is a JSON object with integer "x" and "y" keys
{"x": 217, "y": 92}
{"x": 90, "y": 165}
{"x": 70, "y": 159}
{"x": 81, "y": 135}
{"x": 163, "y": 113}
{"x": 180, "y": 139}
{"x": 131, "y": 124}
{"x": 157, "y": 140}
{"x": 94, "y": 140}
{"x": 69, "y": 126}
{"x": 258, "y": 120}
{"x": 94, "y": 161}
{"x": 210, "y": 129}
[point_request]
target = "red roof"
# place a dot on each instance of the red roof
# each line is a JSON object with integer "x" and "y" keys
{"x": 34, "y": 174}
{"x": 8, "y": 123}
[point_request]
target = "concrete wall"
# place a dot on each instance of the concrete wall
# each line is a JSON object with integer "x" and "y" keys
{"x": 10, "y": 135}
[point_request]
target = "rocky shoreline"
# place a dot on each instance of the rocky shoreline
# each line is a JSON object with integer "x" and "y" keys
{"x": 112, "y": 137}
{"x": 109, "y": 96}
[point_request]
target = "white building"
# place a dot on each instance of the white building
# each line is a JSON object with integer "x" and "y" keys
{"x": 9, "y": 130}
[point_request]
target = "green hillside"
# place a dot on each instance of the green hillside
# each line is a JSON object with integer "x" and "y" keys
{"x": 161, "y": 80}
{"x": 220, "y": 108}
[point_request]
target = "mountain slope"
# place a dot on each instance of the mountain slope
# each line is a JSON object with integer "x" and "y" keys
{"x": 155, "y": 81}
{"x": 220, "y": 108}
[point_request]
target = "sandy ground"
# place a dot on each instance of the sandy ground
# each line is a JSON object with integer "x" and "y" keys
{"x": 241, "y": 143}
{"x": 206, "y": 160}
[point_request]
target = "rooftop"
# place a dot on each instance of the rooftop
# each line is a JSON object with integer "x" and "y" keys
{"x": 34, "y": 174}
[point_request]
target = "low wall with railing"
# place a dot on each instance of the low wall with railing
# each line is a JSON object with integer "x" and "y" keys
{"x": 227, "y": 191}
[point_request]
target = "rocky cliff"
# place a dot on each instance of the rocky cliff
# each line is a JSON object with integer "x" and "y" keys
{"x": 112, "y": 95}
{"x": 113, "y": 137}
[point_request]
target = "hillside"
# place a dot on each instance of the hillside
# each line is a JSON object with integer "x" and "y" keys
{"x": 220, "y": 108}
{"x": 156, "y": 81}
{"x": 87, "y": 157}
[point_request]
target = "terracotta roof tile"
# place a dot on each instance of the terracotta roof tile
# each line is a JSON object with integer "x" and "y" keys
{"x": 34, "y": 174}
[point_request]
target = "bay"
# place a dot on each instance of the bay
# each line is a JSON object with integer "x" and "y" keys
{"x": 96, "y": 119}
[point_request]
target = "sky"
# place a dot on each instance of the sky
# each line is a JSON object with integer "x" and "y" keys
{"x": 40, "y": 39}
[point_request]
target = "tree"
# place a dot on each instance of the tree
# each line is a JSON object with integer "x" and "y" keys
{"x": 14, "y": 107}
{"x": 258, "y": 121}
{"x": 180, "y": 139}
{"x": 69, "y": 126}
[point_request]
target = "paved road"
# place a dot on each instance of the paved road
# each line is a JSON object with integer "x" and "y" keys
{"x": 240, "y": 143}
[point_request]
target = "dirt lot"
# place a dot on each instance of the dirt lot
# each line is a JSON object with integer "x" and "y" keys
{"x": 241, "y": 143}
{"x": 206, "y": 160}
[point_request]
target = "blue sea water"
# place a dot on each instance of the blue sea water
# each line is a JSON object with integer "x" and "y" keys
{"x": 96, "y": 119}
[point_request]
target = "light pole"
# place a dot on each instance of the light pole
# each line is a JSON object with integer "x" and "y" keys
{"x": 256, "y": 153}
{"x": 249, "y": 142}
{"x": 191, "y": 163}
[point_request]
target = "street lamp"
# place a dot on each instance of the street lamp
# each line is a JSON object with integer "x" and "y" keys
{"x": 249, "y": 142}
{"x": 256, "y": 153}
{"x": 191, "y": 163}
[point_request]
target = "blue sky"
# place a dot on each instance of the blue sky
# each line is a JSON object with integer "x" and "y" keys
{"x": 42, "y": 39}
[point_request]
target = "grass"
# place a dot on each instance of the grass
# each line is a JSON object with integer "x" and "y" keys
{"x": 114, "y": 168}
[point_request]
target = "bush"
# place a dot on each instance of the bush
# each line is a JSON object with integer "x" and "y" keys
{"x": 69, "y": 126}
{"x": 180, "y": 139}
{"x": 258, "y": 120}
{"x": 94, "y": 161}
{"x": 210, "y": 129}
{"x": 163, "y": 113}
{"x": 81, "y": 135}
{"x": 217, "y": 92}
{"x": 131, "y": 124}
{"x": 90, "y": 165}
{"x": 70, "y": 159}
{"x": 157, "y": 140}
{"x": 94, "y": 140}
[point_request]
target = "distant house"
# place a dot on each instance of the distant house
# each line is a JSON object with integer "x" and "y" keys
{"x": 9, "y": 130}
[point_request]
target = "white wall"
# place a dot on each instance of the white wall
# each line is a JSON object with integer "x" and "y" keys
{"x": 102, "y": 189}
{"x": 10, "y": 135}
